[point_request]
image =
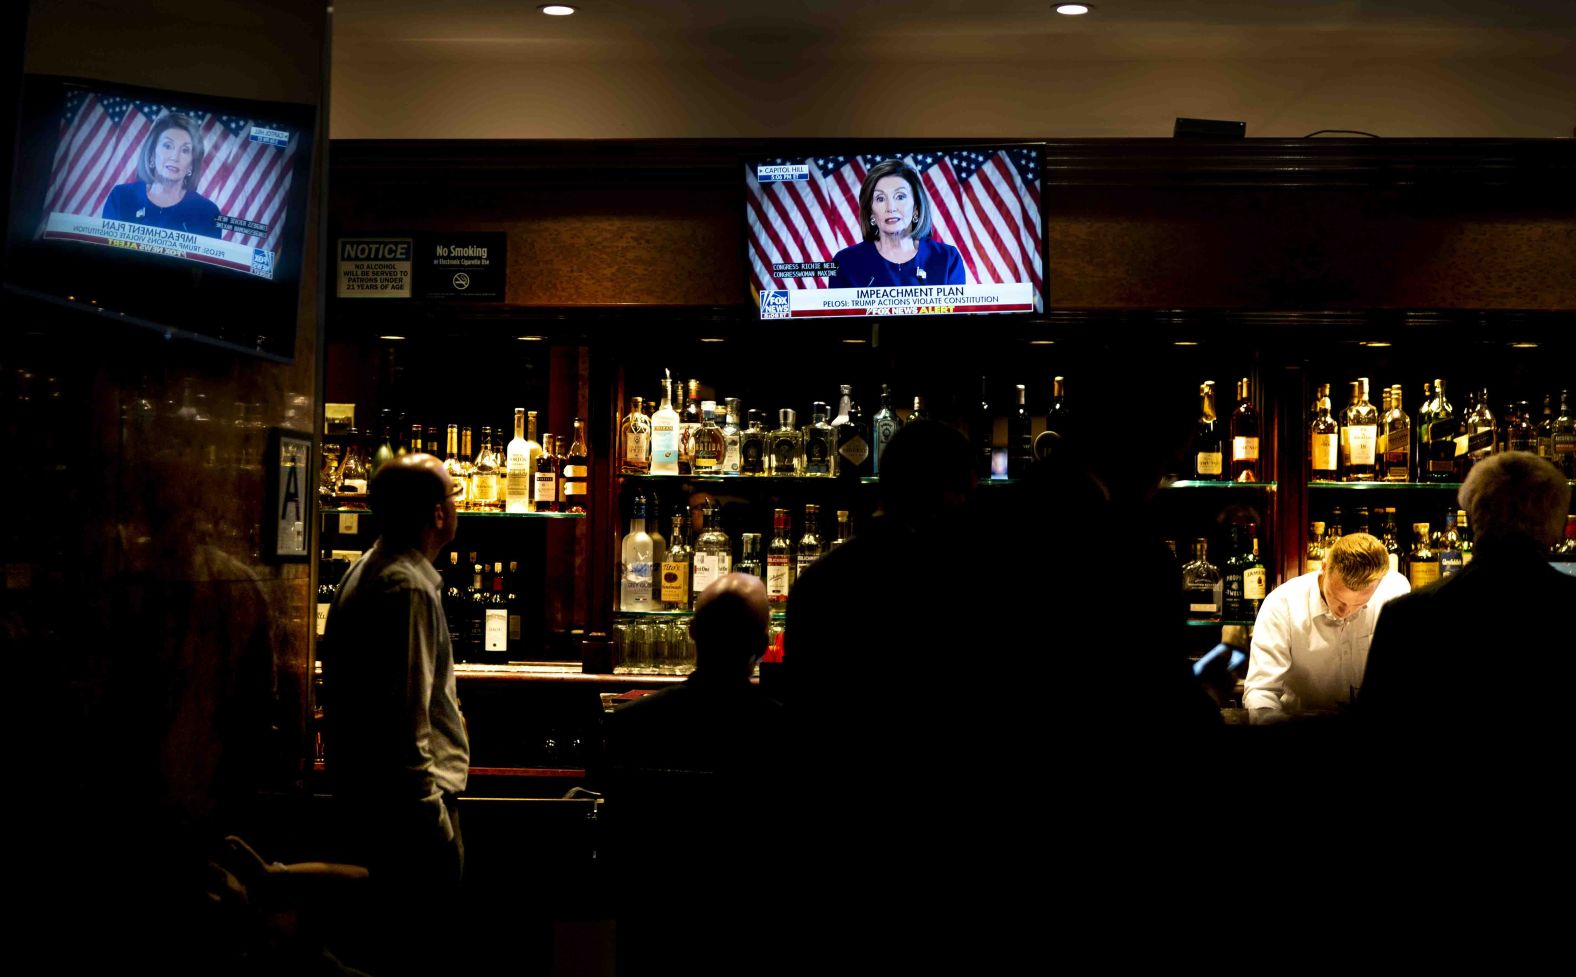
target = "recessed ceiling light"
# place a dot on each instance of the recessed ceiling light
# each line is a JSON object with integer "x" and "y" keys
{"x": 1523, "y": 345}
{"x": 556, "y": 9}
{"x": 1185, "y": 342}
{"x": 391, "y": 337}
{"x": 530, "y": 339}
{"x": 854, "y": 341}
{"x": 1374, "y": 342}
{"x": 1072, "y": 9}
{"x": 713, "y": 339}
{"x": 1042, "y": 342}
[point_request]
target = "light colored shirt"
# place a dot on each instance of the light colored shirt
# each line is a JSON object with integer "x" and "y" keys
{"x": 1302, "y": 658}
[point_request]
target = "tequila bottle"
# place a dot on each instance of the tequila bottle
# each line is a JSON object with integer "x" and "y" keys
{"x": 731, "y": 437}
{"x": 819, "y": 448}
{"x": 707, "y": 445}
{"x": 634, "y": 439}
{"x": 786, "y": 453}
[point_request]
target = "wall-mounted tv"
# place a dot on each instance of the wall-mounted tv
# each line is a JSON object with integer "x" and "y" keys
{"x": 908, "y": 232}
{"x": 173, "y": 210}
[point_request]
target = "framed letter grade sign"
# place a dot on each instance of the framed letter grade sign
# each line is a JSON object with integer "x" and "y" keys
{"x": 288, "y": 468}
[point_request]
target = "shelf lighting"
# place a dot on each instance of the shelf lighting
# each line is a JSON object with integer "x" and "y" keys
{"x": 1523, "y": 345}
{"x": 855, "y": 341}
{"x": 1042, "y": 342}
{"x": 1072, "y": 9}
{"x": 530, "y": 339}
{"x": 556, "y": 9}
{"x": 1185, "y": 342}
{"x": 1373, "y": 343}
{"x": 391, "y": 337}
{"x": 713, "y": 339}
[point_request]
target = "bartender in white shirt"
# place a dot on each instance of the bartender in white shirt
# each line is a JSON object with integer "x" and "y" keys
{"x": 1310, "y": 642}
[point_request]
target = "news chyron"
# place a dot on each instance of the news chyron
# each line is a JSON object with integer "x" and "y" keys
{"x": 952, "y": 231}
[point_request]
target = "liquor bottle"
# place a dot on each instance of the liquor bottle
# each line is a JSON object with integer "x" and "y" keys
{"x": 1208, "y": 456}
{"x": 1546, "y": 429}
{"x": 819, "y": 447}
{"x": 353, "y": 473}
{"x": 689, "y": 423}
{"x": 495, "y": 628}
{"x": 1562, "y": 440}
{"x": 636, "y": 574}
{"x": 414, "y": 443}
{"x": 750, "y": 556}
{"x": 1020, "y": 435}
{"x": 786, "y": 454}
{"x": 810, "y": 548}
{"x": 1446, "y": 545}
{"x": 467, "y": 466}
{"x": 1313, "y": 555}
{"x": 1245, "y": 435}
{"x": 918, "y": 413}
{"x": 516, "y": 612}
{"x": 546, "y": 477}
{"x": 1336, "y": 530}
{"x": 1564, "y": 552}
{"x": 1521, "y": 434}
{"x": 1422, "y": 564}
{"x": 753, "y": 454}
{"x": 665, "y": 435}
{"x": 983, "y": 427}
{"x": 707, "y": 447}
{"x": 1463, "y": 537}
{"x": 1324, "y": 436}
{"x": 675, "y": 581}
{"x": 385, "y": 450}
{"x": 1360, "y": 436}
{"x": 452, "y": 463}
{"x": 518, "y": 468}
{"x": 454, "y": 600}
{"x": 853, "y": 440}
{"x": 575, "y": 473}
{"x": 1362, "y": 521}
{"x": 659, "y": 544}
{"x": 1443, "y": 427}
{"x": 634, "y": 439}
{"x": 1398, "y": 440}
{"x": 779, "y": 559}
{"x": 845, "y": 530}
{"x": 1231, "y": 576}
{"x": 731, "y": 436}
{"x": 1425, "y": 417}
{"x": 1255, "y": 581}
{"x": 884, "y": 425}
{"x": 713, "y": 554}
{"x": 476, "y": 617}
{"x": 845, "y": 397}
{"x": 1482, "y": 432}
{"x": 1057, "y": 421}
{"x": 1391, "y": 538}
{"x": 1383, "y": 443}
{"x": 484, "y": 479}
{"x": 432, "y": 446}
{"x": 1201, "y": 585}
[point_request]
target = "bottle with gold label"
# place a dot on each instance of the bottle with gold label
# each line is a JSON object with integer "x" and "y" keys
{"x": 574, "y": 481}
{"x": 453, "y": 465}
{"x": 1422, "y": 564}
{"x": 1359, "y": 436}
{"x": 1397, "y": 440}
{"x": 634, "y": 440}
{"x": 484, "y": 475}
{"x": 545, "y": 487}
{"x": 1245, "y": 435}
{"x": 675, "y": 578}
{"x": 1208, "y": 457}
{"x": 1325, "y": 442}
{"x": 1313, "y": 556}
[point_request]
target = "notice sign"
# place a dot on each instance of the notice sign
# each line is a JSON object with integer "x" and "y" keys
{"x": 463, "y": 265}
{"x": 374, "y": 268}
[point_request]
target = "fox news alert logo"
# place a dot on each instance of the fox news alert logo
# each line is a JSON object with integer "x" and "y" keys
{"x": 778, "y": 172}
{"x": 774, "y": 304}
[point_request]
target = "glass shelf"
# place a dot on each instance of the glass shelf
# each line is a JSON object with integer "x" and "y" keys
{"x": 1384, "y": 486}
{"x": 777, "y": 615}
{"x": 746, "y": 479}
{"x": 1196, "y": 623}
{"x": 473, "y": 514}
{"x": 1188, "y": 483}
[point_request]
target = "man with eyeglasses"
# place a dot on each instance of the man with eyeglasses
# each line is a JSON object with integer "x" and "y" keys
{"x": 1310, "y": 641}
{"x": 394, "y": 741}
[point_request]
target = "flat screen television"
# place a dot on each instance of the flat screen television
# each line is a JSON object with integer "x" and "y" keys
{"x": 180, "y": 212}
{"x": 952, "y": 230}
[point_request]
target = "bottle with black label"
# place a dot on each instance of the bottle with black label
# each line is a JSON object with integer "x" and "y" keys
{"x": 1446, "y": 544}
{"x": 1231, "y": 577}
{"x": 1422, "y": 564}
{"x": 1202, "y": 585}
{"x": 1562, "y": 442}
{"x": 1443, "y": 426}
{"x": 819, "y": 449}
{"x": 786, "y": 447}
{"x": 853, "y": 440}
{"x": 546, "y": 486}
{"x": 1482, "y": 432}
{"x": 1397, "y": 440}
{"x": 1521, "y": 434}
{"x": 752, "y": 445}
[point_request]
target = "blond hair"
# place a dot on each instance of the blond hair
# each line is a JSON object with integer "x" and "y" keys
{"x": 1358, "y": 559}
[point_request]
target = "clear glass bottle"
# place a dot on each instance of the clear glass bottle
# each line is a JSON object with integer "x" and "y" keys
{"x": 884, "y": 425}
{"x": 1422, "y": 564}
{"x": 713, "y": 554}
{"x": 707, "y": 446}
{"x": 1397, "y": 440}
{"x": 665, "y": 434}
{"x": 1202, "y": 585}
{"x": 518, "y": 467}
{"x": 353, "y": 471}
{"x": 452, "y": 463}
{"x": 634, "y": 439}
{"x": 810, "y": 546}
{"x": 819, "y": 447}
{"x": 754, "y": 455}
{"x": 675, "y": 580}
{"x": 1020, "y": 434}
{"x": 731, "y": 437}
{"x": 467, "y": 465}
{"x": 1360, "y": 436}
{"x": 1208, "y": 455}
{"x": 689, "y": 423}
{"x": 779, "y": 559}
{"x": 1324, "y": 440}
{"x": 484, "y": 479}
{"x": 575, "y": 474}
{"x": 545, "y": 488}
{"x": 750, "y": 556}
{"x": 787, "y": 453}
{"x": 636, "y": 575}
{"x": 1245, "y": 435}
{"x": 853, "y": 445}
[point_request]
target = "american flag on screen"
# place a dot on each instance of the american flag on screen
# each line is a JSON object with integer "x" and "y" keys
{"x": 102, "y": 135}
{"x": 984, "y": 202}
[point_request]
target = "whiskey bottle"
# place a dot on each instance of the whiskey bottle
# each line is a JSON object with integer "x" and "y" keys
{"x": 1391, "y": 538}
{"x": 1360, "y": 436}
{"x": 432, "y": 445}
{"x": 1245, "y": 435}
{"x": 1208, "y": 457}
{"x": 546, "y": 477}
{"x": 810, "y": 548}
{"x": 467, "y": 466}
{"x": 689, "y": 423}
{"x": 484, "y": 479}
{"x": 819, "y": 449}
{"x": 453, "y": 601}
{"x": 636, "y": 569}
{"x": 413, "y": 442}
{"x": 476, "y": 597}
{"x": 634, "y": 439}
{"x": 1057, "y": 421}
{"x": 453, "y": 465}
{"x": 1325, "y": 439}
{"x": 707, "y": 447}
{"x": 853, "y": 445}
{"x": 750, "y": 555}
{"x": 1422, "y": 564}
{"x": 516, "y": 610}
{"x": 1231, "y": 576}
{"x": 1463, "y": 537}
{"x": 731, "y": 437}
{"x": 518, "y": 468}
{"x": 1313, "y": 555}
{"x": 1255, "y": 581}
{"x": 883, "y": 425}
{"x": 753, "y": 453}
{"x": 1201, "y": 585}
{"x": 786, "y": 450}
{"x": 779, "y": 559}
{"x": 665, "y": 435}
{"x": 983, "y": 428}
{"x": 1562, "y": 440}
{"x": 1482, "y": 432}
{"x": 1020, "y": 435}
{"x": 575, "y": 474}
{"x": 1398, "y": 440}
{"x": 1520, "y": 432}
{"x": 1446, "y": 544}
{"x": 713, "y": 554}
{"x": 676, "y": 568}
{"x": 385, "y": 450}
{"x": 1443, "y": 427}
{"x": 1425, "y": 417}
{"x": 1546, "y": 429}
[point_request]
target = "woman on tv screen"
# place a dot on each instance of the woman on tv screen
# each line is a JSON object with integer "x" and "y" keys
{"x": 165, "y": 191}
{"x": 898, "y": 249}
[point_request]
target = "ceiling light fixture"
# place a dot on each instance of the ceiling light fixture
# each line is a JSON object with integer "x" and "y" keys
{"x": 556, "y": 9}
{"x": 1072, "y": 9}
{"x": 713, "y": 339}
{"x": 1042, "y": 342}
{"x": 1185, "y": 342}
{"x": 1523, "y": 345}
{"x": 394, "y": 338}
{"x": 530, "y": 339}
{"x": 1374, "y": 343}
{"x": 855, "y": 341}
